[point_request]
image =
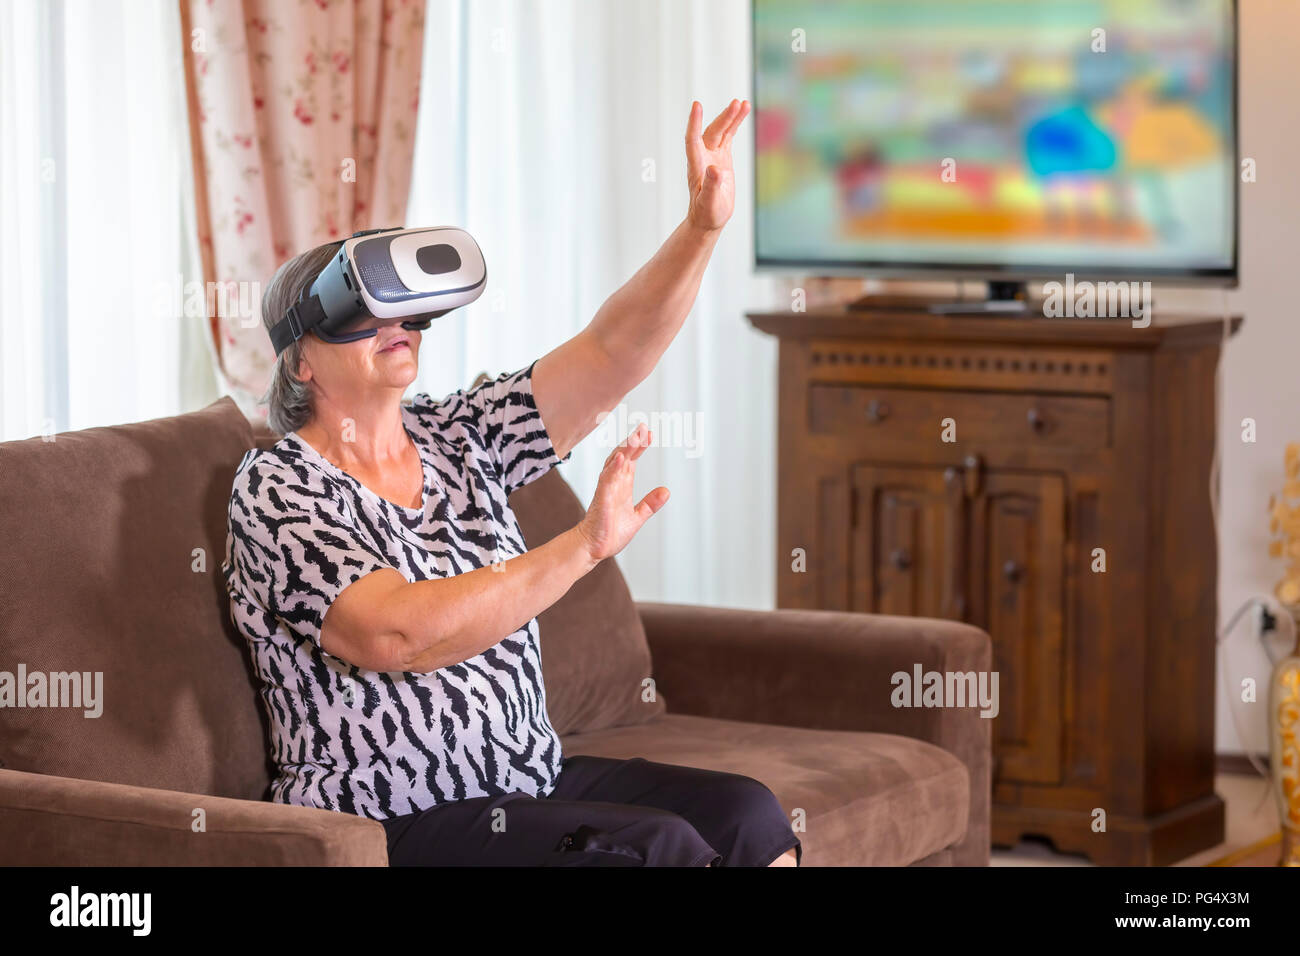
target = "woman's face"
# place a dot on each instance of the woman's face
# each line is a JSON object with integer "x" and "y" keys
{"x": 356, "y": 370}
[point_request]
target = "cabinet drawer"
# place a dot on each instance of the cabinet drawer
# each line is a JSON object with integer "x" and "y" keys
{"x": 916, "y": 415}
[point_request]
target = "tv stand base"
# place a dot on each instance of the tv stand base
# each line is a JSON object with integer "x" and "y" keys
{"x": 1004, "y": 298}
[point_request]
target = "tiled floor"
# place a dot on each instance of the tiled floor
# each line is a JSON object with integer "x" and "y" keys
{"x": 1251, "y": 816}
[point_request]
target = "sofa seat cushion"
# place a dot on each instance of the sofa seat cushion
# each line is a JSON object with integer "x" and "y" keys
{"x": 868, "y": 798}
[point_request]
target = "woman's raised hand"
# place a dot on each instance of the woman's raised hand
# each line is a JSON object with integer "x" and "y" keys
{"x": 612, "y": 520}
{"x": 709, "y": 175}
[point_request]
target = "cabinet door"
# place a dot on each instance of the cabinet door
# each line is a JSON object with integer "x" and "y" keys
{"x": 906, "y": 541}
{"x": 1017, "y": 570}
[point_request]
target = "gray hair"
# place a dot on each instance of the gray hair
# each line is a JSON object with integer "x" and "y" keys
{"x": 289, "y": 398}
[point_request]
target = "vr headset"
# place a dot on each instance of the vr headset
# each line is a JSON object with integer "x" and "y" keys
{"x": 384, "y": 277}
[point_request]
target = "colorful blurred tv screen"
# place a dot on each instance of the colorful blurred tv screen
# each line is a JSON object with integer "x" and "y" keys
{"x": 1031, "y": 136}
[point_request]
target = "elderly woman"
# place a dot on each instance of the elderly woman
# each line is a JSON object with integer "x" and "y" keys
{"x": 401, "y": 671}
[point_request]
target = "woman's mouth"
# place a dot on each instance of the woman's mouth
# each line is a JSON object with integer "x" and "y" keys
{"x": 401, "y": 343}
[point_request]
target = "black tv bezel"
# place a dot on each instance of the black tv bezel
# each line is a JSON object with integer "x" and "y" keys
{"x": 1227, "y": 277}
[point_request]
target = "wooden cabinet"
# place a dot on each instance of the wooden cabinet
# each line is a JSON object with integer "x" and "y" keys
{"x": 1047, "y": 481}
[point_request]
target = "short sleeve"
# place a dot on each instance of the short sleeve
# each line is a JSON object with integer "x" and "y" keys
{"x": 292, "y": 546}
{"x": 509, "y": 425}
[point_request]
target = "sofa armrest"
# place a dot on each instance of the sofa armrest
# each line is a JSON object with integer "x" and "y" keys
{"x": 61, "y": 821}
{"x": 828, "y": 670}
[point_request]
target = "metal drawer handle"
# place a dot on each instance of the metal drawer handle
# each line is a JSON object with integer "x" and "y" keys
{"x": 877, "y": 411}
{"x": 1012, "y": 571}
{"x": 901, "y": 559}
{"x": 1037, "y": 420}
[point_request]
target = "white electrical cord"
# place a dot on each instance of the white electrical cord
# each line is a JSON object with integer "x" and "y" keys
{"x": 1228, "y": 698}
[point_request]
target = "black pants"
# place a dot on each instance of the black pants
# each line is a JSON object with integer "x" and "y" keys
{"x": 604, "y": 812}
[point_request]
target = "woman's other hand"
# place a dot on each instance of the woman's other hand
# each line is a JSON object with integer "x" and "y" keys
{"x": 612, "y": 520}
{"x": 709, "y": 175}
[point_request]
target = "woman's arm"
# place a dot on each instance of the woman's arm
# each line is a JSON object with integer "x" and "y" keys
{"x": 383, "y": 622}
{"x": 593, "y": 371}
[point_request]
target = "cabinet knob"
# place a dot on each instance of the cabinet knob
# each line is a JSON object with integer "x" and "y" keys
{"x": 973, "y": 475}
{"x": 877, "y": 411}
{"x": 901, "y": 559}
{"x": 1013, "y": 571}
{"x": 1037, "y": 420}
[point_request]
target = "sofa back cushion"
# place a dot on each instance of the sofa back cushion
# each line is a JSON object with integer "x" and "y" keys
{"x": 113, "y": 540}
{"x": 594, "y": 651}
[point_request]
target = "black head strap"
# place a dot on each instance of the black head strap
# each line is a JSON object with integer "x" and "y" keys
{"x": 303, "y": 316}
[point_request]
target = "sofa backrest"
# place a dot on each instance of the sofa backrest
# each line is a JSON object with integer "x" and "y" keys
{"x": 111, "y": 543}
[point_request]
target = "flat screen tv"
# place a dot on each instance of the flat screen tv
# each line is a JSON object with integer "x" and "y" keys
{"x": 997, "y": 139}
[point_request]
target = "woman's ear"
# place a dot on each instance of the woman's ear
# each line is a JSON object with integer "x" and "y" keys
{"x": 303, "y": 371}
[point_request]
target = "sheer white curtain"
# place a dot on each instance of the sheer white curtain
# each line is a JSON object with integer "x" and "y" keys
{"x": 96, "y": 254}
{"x": 554, "y": 132}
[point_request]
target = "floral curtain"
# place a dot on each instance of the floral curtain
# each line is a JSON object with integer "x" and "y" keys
{"x": 302, "y": 122}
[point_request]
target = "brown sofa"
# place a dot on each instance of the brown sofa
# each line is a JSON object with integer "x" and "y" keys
{"x": 113, "y": 540}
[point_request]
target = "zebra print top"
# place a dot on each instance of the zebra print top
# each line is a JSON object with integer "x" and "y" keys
{"x": 301, "y": 530}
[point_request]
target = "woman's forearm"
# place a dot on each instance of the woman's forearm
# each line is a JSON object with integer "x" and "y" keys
{"x": 382, "y": 622}
{"x": 444, "y": 621}
{"x": 637, "y": 323}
